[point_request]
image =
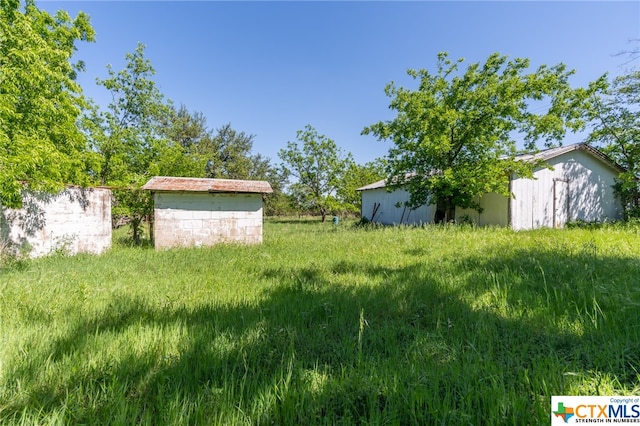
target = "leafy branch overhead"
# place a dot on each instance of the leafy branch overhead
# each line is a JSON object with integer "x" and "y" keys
{"x": 455, "y": 135}
{"x": 40, "y": 144}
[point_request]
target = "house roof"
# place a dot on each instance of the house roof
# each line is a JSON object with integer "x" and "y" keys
{"x": 548, "y": 154}
{"x": 182, "y": 184}
{"x": 375, "y": 185}
{"x": 544, "y": 155}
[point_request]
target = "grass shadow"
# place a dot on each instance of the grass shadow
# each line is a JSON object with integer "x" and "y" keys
{"x": 354, "y": 343}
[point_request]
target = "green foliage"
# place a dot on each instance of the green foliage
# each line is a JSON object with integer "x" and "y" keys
{"x": 225, "y": 154}
{"x": 454, "y": 136}
{"x": 129, "y": 139}
{"x": 324, "y": 325}
{"x": 318, "y": 168}
{"x": 137, "y": 206}
{"x": 277, "y": 203}
{"x": 40, "y": 101}
{"x": 188, "y": 129}
{"x": 357, "y": 176}
{"x": 616, "y": 128}
{"x": 229, "y": 156}
{"x": 127, "y": 136}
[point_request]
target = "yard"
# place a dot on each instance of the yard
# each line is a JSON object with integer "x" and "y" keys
{"x": 324, "y": 324}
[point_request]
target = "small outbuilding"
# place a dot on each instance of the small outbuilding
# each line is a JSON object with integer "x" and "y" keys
{"x": 72, "y": 221}
{"x": 577, "y": 186}
{"x": 197, "y": 212}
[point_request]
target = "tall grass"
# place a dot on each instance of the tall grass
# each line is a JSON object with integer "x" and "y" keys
{"x": 324, "y": 324}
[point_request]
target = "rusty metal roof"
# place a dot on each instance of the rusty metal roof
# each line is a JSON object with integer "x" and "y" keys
{"x": 182, "y": 184}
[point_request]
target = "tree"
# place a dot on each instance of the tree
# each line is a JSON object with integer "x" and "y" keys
{"x": 185, "y": 134}
{"x": 616, "y": 127}
{"x": 318, "y": 168}
{"x": 229, "y": 156}
{"x": 454, "y": 136}
{"x": 277, "y": 203}
{"x": 186, "y": 128}
{"x": 128, "y": 134}
{"x": 40, "y": 101}
{"x": 357, "y": 176}
{"x": 225, "y": 154}
{"x": 128, "y": 138}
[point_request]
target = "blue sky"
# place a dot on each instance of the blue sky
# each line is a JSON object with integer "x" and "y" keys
{"x": 270, "y": 68}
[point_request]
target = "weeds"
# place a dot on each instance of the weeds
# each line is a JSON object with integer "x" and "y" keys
{"x": 324, "y": 324}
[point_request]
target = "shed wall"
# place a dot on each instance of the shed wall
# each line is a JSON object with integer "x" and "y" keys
{"x": 495, "y": 211}
{"x": 580, "y": 187}
{"x": 75, "y": 220}
{"x": 187, "y": 219}
{"x": 388, "y": 213}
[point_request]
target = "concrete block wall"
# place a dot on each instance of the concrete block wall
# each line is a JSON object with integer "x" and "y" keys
{"x": 75, "y": 220}
{"x": 188, "y": 219}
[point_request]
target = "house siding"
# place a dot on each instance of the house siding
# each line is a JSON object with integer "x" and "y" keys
{"x": 494, "y": 211}
{"x": 579, "y": 187}
{"x": 388, "y": 212}
{"x": 188, "y": 219}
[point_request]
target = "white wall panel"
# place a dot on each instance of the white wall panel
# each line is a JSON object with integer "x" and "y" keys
{"x": 186, "y": 219}
{"x": 391, "y": 210}
{"x": 75, "y": 220}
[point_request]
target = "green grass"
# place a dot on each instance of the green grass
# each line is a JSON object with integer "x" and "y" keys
{"x": 324, "y": 324}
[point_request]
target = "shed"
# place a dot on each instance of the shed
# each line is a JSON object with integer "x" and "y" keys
{"x": 73, "y": 221}
{"x": 578, "y": 186}
{"x": 202, "y": 212}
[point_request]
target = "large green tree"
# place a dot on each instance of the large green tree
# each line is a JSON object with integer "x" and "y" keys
{"x": 128, "y": 138}
{"x": 317, "y": 167}
{"x": 40, "y": 101}
{"x": 225, "y": 153}
{"x": 455, "y": 134}
{"x": 616, "y": 128}
{"x": 229, "y": 156}
{"x": 127, "y": 135}
{"x": 187, "y": 128}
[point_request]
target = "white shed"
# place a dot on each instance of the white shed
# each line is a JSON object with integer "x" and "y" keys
{"x": 73, "y": 221}
{"x": 579, "y": 186}
{"x": 197, "y": 212}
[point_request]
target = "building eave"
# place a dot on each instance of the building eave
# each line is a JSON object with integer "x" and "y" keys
{"x": 204, "y": 185}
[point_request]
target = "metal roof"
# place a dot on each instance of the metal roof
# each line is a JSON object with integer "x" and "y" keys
{"x": 375, "y": 185}
{"x": 548, "y": 154}
{"x": 383, "y": 183}
{"x": 544, "y": 155}
{"x": 182, "y": 184}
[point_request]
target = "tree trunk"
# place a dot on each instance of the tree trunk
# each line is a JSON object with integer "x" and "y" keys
{"x": 445, "y": 211}
{"x": 135, "y": 230}
{"x": 324, "y": 215}
{"x": 150, "y": 224}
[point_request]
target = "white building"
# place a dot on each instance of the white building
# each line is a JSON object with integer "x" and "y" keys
{"x": 197, "y": 212}
{"x": 73, "y": 221}
{"x": 579, "y": 186}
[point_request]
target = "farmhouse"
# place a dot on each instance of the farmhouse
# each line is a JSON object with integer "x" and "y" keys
{"x": 202, "y": 212}
{"x": 578, "y": 186}
{"x": 74, "y": 220}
